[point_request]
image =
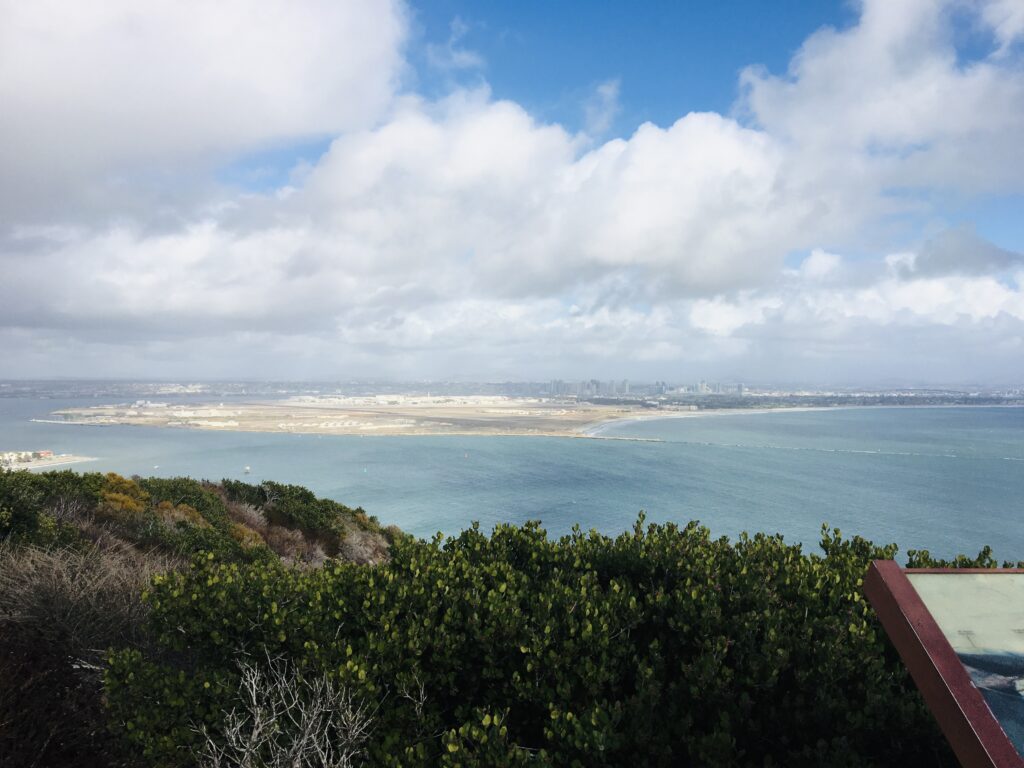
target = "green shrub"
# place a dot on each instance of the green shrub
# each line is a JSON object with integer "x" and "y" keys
{"x": 243, "y": 493}
{"x": 184, "y": 490}
{"x": 67, "y": 495}
{"x": 922, "y": 558}
{"x": 26, "y": 512}
{"x": 662, "y": 647}
{"x": 21, "y": 498}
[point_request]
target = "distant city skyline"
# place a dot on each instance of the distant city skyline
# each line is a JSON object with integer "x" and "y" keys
{"x": 481, "y": 191}
{"x": 574, "y": 387}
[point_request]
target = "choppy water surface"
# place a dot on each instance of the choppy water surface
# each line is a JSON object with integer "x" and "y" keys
{"x": 946, "y": 479}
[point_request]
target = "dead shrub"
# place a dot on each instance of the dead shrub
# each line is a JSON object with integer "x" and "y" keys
{"x": 363, "y": 547}
{"x": 285, "y": 542}
{"x": 59, "y": 612}
{"x": 315, "y": 555}
{"x": 71, "y": 511}
{"x": 288, "y": 720}
{"x": 247, "y": 515}
{"x": 292, "y": 547}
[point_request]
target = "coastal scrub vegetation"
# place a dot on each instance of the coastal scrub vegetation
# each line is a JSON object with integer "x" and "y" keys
{"x": 180, "y": 516}
{"x": 663, "y": 646}
{"x": 77, "y": 551}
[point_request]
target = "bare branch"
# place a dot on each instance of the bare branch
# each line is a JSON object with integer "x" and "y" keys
{"x": 287, "y": 720}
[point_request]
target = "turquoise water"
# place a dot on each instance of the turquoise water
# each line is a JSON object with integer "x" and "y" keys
{"x": 946, "y": 479}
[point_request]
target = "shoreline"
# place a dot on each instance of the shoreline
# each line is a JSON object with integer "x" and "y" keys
{"x": 580, "y": 435}
{"x": 56, "y": 461}
{"x": 597, "y": 430}
{"x": 485, "y": 417}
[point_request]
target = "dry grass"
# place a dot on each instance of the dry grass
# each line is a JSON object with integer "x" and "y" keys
{"x": 59, "y": 612}
{"x": 247, "y": 515}
{"x": 363, "y": 547}
{"x": 246, "y": 536}
{"x": 172, "y": 514}
{"x": 81, "y": 600}
{"x": 294, "y": 548}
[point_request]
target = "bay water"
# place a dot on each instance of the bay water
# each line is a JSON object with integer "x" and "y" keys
{"x": 947, "y": 479}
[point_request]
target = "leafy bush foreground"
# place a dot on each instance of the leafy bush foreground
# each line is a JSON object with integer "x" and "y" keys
{"x": 661, "y": 647}
{"x": 156, "y": 634}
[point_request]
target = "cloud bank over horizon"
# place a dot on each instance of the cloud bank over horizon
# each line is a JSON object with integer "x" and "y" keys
{"x": 821, "y": 231}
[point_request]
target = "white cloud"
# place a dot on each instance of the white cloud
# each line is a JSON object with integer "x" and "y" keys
{"x": 722, "y": 318}
{"x": 99, "y": 95}
{"x": 452, "y": 56}
{"x": 885, "y": 118}
{"x": 601, "y": 109}
{"x": 820, "y": 266}
{"x": 464, "y": 236}
{"x": 1006, "y": 18}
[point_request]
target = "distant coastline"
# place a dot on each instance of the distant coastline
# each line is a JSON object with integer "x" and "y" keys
{"x": 396, "y": 415}
{"x": 598, "y": 429}
{"x": 407, "y": 416}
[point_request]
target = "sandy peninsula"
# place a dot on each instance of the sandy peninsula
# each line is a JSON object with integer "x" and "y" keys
{"x": 371, "y": 415}
{"x": 44, "y": 462}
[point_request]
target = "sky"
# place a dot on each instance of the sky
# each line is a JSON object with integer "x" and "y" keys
{"x": 817, "y": 192}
